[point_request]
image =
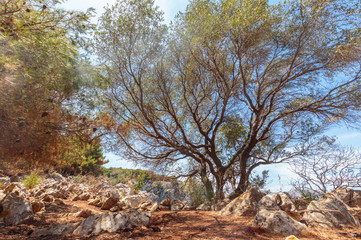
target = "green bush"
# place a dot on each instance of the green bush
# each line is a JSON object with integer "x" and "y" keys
{"x": 196, "y": 190}
{"x": 32, "y": 180}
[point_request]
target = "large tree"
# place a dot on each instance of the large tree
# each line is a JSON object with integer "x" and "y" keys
{"x": 234, "y": 85}
{"x": 40, "y": 75}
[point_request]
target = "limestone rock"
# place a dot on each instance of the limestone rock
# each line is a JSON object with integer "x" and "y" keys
{"x": 134, "y": 201}
{"x": 95, "y": 202}
{"x": 37, "y": 206}
{"x": 245, "y": 204}
{"x": 177, "y": 205}
{"x": 55, "y": 230}
{"x": 330, "y": 213}
{"x": 109, "y": 203}
{"x": 19, "y": 209}
{"x": 166, "y": 201}
{"x": 220, "y": 205}
{"x": 277, "y": 201}
{"x": 110, "y": 222}
{"x": 204, "y": 207}
{"x": 350, "y": 196}
{"x": 154, "y": 207}
{"x": 84, "y": 213}
{"x": 278, "y": 221}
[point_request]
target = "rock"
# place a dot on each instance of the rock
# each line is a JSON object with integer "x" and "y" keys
{"x": 37, "y": 206}
{"x": 166, "y": 202}
{"x": 220, "y": 205}
{"x": 114, "y": 209}
{"x": 47, "y": 198}
{"x": 95, "y": 202}
{"x": 329, "y": 212}
{"x": 84, "y": 213}
{"x": 204, "y": 207}
{"x": 350, "y": 196}
{"x": 109, "y": 203}
{"x": 280, "y": 201}
{"x": 134, "y": 201}
{"x": 18, "y": 209}
{"x": 177, "y": 205}
{"x": 245, "y": 204}
{"x": 55, "y": 230}
{"x": 110, "y": 222}
{"x": 292, "y": 237}
{"x": 14, "y": 178}
{"x": 278, "y": 221}
{"x": 154, "y": 207}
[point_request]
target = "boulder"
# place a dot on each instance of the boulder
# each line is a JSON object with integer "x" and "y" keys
{"x": 177, "y": 205}
{"x": 220, "y": 205}
{"x": 204, "y": 207}
{"x": 329, "y": 212}
{"x": 277, "y": 201}
{"x": 278, "y": 221}
{"x": 154, "y": 207}
{"x": 245, "y": 204}
{"x": 166, "y": 201}
{"x": 350, "y": 196}
{"x": 134, "y": 201}
{"x": 19, "y": 209}
{"x": 110, "y": 222}
{"x": 109, "y": 203}
{"x": 95, "y": 202}
{"x": 84, "y": 213}
{"x": 55, "y": 230}
{"x": 37, "y": 206}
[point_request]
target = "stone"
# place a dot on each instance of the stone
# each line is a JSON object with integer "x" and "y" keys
{"x": 154, "y": 207}
{"x": 292, "y": 237}
{"x": 134, "y": 201}
{"x": 14, "y": 178}
{"x": 204, "y": 207}
{"x": 244, "y": 205}
{"x": 351, "y": 197}
{"x": 109, "y": 203}
{"x": 37, "y": 206}
{"x": 95, "y": 202}
{"x": 111, "y": 222}
{"x": 277, "y": 201}
{"x": 278, "y": 221}
{"x": 47, "y": 198}
{"x": 166, "y": 201}
{"x": 177, "y": 205}
{"x": 55, "y": 230}
{"x": 329, "y": 212}
{"x": 84, "y": 213}
{"x": 19, "y": 209}
{"x": 220, "y": 205}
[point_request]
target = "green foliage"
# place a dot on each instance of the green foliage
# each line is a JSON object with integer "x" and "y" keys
{"x": 196, "y": 190}
{"x": 133, "y": 176}
{"x": 82, "y": 158}
{"x": 31, "y": 180}
{"x": 143, "y": 179}
{"x": 260, "y": 180}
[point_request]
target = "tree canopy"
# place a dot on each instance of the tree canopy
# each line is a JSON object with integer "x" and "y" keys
{"x": 232, "y": 84}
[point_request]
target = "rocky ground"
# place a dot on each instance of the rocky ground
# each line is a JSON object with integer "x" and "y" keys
{"x": 62, "y": 209}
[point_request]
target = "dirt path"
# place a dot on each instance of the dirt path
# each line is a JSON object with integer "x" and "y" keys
{"x": 163, "y": 225}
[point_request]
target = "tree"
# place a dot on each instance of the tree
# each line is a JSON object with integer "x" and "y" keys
{"x": 327, "y": 168}
{"x": 233, "y": 85}
{"x": 40, "y": 75}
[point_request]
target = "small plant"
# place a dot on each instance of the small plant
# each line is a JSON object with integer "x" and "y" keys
{"x": 30, "y": 181}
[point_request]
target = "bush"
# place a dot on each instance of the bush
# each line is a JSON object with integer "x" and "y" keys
{"x": 30, "y": 181}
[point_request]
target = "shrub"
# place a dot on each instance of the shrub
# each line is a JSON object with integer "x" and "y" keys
{"x": 30, "y": 181}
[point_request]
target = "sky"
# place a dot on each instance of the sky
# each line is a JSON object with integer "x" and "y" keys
{"x": 346, "y": 136}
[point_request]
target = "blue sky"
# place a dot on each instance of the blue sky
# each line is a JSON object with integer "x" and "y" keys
{"x": 346, "y": 136}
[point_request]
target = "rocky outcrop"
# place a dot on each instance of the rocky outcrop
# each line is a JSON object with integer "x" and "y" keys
{"x": 109, "y": 203}
{"x": 329, "y": 212}
{"x": 37, "y": 206}
{"x": 110, "y": 222}
{"x": 134, "y": 201}
{"x": 350, "y": 196}
{"x": 278, "y": 221}
{"x": 18, "y": 209}
{"x": 246, "y": 204}
{"x": 55, "y": 230}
